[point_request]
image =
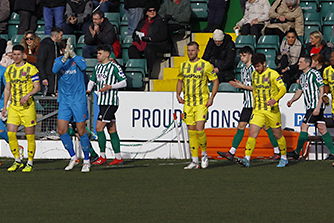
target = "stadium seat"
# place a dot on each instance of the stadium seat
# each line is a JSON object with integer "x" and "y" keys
{"x": 121, "y": 9}
{"x": 239, "y": 67}
{"x": 127, "y": 42}
{"x": 326, "y": 7}
{"x": 13, "y": 24}
{"x": 243, "y": 40}
{"x": 312, "y": 18}
{"x": 120, "y": 61}
{"x": 136, "y": 65}
{"x": 268, "y": 42}
{"x": 90, "y": 64}
{"x": 124, "y": 21}
{"x": 199, "y": 10}
{"x": 270, "y": 53}
{"x": 309, "y": 6}
{"x": 327, "y": 31}
{"x": 271, "y": 64}
{"x": 329, "y": 19}
{"x": 40, "y": 29}
{"x": 308, "y": 30}
{"x": 293, "y": 88}
{"x": 114, "y": 18}
{"x": 224, "y": 87}
{"x": 124, "y": 32}
{"x": 16, "y": 39}
{"x": 135, "y": 80}
{"x": 73, "y": 39}
{"x": 80, "y": 45}
{"x": 4, "y": 36}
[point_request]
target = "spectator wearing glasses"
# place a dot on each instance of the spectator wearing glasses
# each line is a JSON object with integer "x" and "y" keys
{"x": 30, "y": 42}
{"x": 317, "y": 45}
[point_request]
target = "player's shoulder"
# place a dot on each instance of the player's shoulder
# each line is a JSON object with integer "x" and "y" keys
{"x": 30, "y": 65}
{"x": 328, "y": 69}
{"x": 115, "y": 64}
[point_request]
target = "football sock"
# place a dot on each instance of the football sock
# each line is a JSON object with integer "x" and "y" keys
{"x": 282, "y": 145}
{"x": 201, "y": 137}
{"x": 4, "y": 135}
{"x": 85, "y": 145}
{"x": 31, "y": 147}
{"x": 102, "y": 141}
{"x": 301, "y": 140}
{"x": 276, "y": 150}
{"x": 250, "y": 145}
{"x": 233, "y": 150}
{"x": 14, "y": 146}
{"x": 328, "y": 142}
{"x": 92, "y": 151}
{"x": 193, "y": 143}
{"x": 68, "y": 144}
{"x": 272, "y": 138}
{"x": 237, "y": 139}
{"x": 115, "y": 142}
{"x": 103, "y": 154}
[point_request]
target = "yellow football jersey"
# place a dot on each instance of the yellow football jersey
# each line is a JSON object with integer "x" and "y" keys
{"x": 195, "y": 76}
{"x": 21, "y": 80}
{"x": 265, "y": 87}
{"x": 328, "y": 77}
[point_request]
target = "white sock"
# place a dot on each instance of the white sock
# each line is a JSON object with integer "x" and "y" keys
{"x": 204, "y": 153}
{"x": 18, "y": 160}
{"x": 30, "y": 162}
{"x": 74, "y": 157}
{"x": 283, "y": 157}
{"x": 118, "y": 156}
{"x": 276, "y": 150}
{"x": 247, "y": 157}
{"x": 233, "y": 150}
{"x": 103, "y": 155}
{"x": 86, "y": 161}
{"x": 194, "y": 159}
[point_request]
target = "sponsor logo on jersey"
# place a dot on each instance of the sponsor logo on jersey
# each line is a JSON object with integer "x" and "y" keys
{"x": 24, "y": 74}
{"x": 266, "y": 79}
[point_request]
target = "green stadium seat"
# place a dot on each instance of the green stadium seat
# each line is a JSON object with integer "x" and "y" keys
{"x": 136, "y": 65}
{"x": 124, "y": 32}
{"x": 120, "y": 61}
{"x": 308, "y": 30}
{"x": 40, "y": 29}
{"x": 224, "y": 87}
{"x": 12, "y": 30}
{"x": 14, "y": 18}
{"x": 90, "y": 62}
{"x": 125, "y": 54}
{"x": 312, "y": 18}
{"x": 308, "y": 6}
{"x": 199, "y": 10}
{"x": 121, "y": 9}
{"x": 124, "y": 21}
{"x": 16, "y": 39}
{"x": 80, "y": 44}
{"x": 268, "y": 42}
{"x": 113, "y": 17}
{"x": 327, "y": 31}
{"x": 73, "y": 39}
{"x": 4, "y": 36}
{"x": 271, "y": 64}
{"x": 293, "y": 88}
{"x": 329, "y": 19}
{"x": 270, "y": 53}
{"x": 326, "y": 7}
{"x": 135, "y": 80}
{"x": 239, "y": 67}
{"x": 243, "y": 40}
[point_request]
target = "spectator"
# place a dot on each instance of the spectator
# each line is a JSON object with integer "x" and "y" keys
{"x": 77, "y": 15}
{"x": 53, "y": 11}
{"x": 150, "y": 38}
{"x": 290, "y": 53}
{"x": 318, "y": 63}
{"x": 28, "y": 17}
{"x": 220, "y": 52}
{"x": 3, "y": 45}
{"x": 30, "y": 42}
{"x": 99, "y": 32}
{"x": 256, "y": 14}
{"x": 46, "y": 55}
{"x": 7, "y": 58}
{"x": 107, "y": 5}
{"x": 4, "y": 15}
{"x": 134, "y": 11}
{"x": 285, "y": 14}
{"x": 317, "y": 45}
{"x": 217, "y": 14}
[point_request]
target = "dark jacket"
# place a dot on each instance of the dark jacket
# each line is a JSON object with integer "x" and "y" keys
{"x": 128, "y": 4}
{"x": 325, "y": 51}
{"x": 222, "y": 57}
{"x": 53, "y": 3}
{"x": 180, "y": 12}
{"x": 105, "y": 36}
{"x": 82, "y": 10}
{"x": 25, "y": 5}
{"x": 47, "y": 52}
{"x": 158, "y": 33}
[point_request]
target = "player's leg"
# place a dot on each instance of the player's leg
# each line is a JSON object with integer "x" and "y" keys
{"x": 30, "y": 135}
{"x": 115, "y": 143}
{"x": 202, "y": 143}
{"x": 273, "y": 141}
{"x": 327, "y": 139}
{"x": 85, "y": 145}
{"x": 62, "y": 128}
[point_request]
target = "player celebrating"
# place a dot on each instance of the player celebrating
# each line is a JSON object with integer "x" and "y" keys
{"x": 312, "y": 86}
{"x": 22, "y": 82}
{"x": 246, "y": 84}
{"x": 72, "y": 103}
{"x": 108, "y": 77}
{"x": 193, "y": 79}
{"x": 268, "y": 89}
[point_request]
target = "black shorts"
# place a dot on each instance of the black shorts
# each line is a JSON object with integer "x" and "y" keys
{"x": 310, "y": 119}
{"x": 107, "y": 113}
{"x": 246, "y": 114}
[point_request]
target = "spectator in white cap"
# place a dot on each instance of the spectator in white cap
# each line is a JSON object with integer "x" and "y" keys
{"x": 220, "y": 52}
{"x": 6, "y": 59}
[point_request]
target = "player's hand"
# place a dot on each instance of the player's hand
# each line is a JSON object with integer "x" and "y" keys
{"x": 24, "y": 99}
{"x": 210, "y": 102}
{"x": 105, "y": 88}
{"x": 215, "y": 70}
{"x": 289, "y": 103}
{"x": 316, "y": 112}
{"x": 271, "y": 102}
{"x": 236, "y": 84}
{"x": 45, "y": 82}
{"x": 4, "y": 112}
{"x": 88, "y": 92}
{"x": 180, "y": 99}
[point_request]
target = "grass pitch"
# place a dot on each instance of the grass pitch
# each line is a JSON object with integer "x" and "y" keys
{"x": 161, "y": 191}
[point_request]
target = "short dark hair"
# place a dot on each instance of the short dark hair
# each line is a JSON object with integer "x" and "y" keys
{"x": 246, "y": 49}
{"x": 62, "y": 44}
{"x": 18, "y": 47}
{"x": 258, "y": 58}
{"x": 98, "y": 12}
{"x": 56, "y": 30}
{"x": 307, "y": 59}
{"x": 292, "y": 30}
{"x": 104, "y": 47}
{"x": 193, "y": 43}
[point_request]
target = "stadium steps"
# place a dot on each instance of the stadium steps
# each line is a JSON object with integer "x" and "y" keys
{"x": 163, "y": 85}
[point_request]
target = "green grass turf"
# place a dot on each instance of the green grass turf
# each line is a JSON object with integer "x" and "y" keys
{"x": 161, "y": 191}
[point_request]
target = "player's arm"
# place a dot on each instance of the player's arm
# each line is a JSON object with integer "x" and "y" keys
{"x": 295, "y": 97}
{"x": 80, "y": 62}
{"x": 92, "y": 82}
{"x": 282, "y": 91}
{"x": 57, "y": 65}
{"x": 120, "y": 76}
{"x": 320, "y": 83}
{"x": 179, "y": 86}
{"x": 6, "y": 98}
{"x": 240, "y": 85}
{"x": 35, "y": 90}
{"x": 213, "y": 93}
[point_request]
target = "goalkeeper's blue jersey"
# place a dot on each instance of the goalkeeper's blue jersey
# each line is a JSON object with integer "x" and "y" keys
{"x": 2, "y": 85}
{"x": 71, "y": 79}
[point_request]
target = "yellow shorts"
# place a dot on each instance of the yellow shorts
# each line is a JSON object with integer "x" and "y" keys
{"x": 266, "y": 118}
{"x": 193, "y": 114}
{"x": 25, "y": 116}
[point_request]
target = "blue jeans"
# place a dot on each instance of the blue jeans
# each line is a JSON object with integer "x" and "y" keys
{"x": 55, "y": 14}
{"x": 105, "y": 6}
{"x": 134, "y": 16}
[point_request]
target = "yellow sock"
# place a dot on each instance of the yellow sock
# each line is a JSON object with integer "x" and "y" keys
{"x": 193, "y": 143}
{"x": 282, "y": 145}
{"x": 250, "y": 145}
{"x": 31, "y": 147}
{"x": 14, "y": 145}
{"x": 201, "y": 136}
